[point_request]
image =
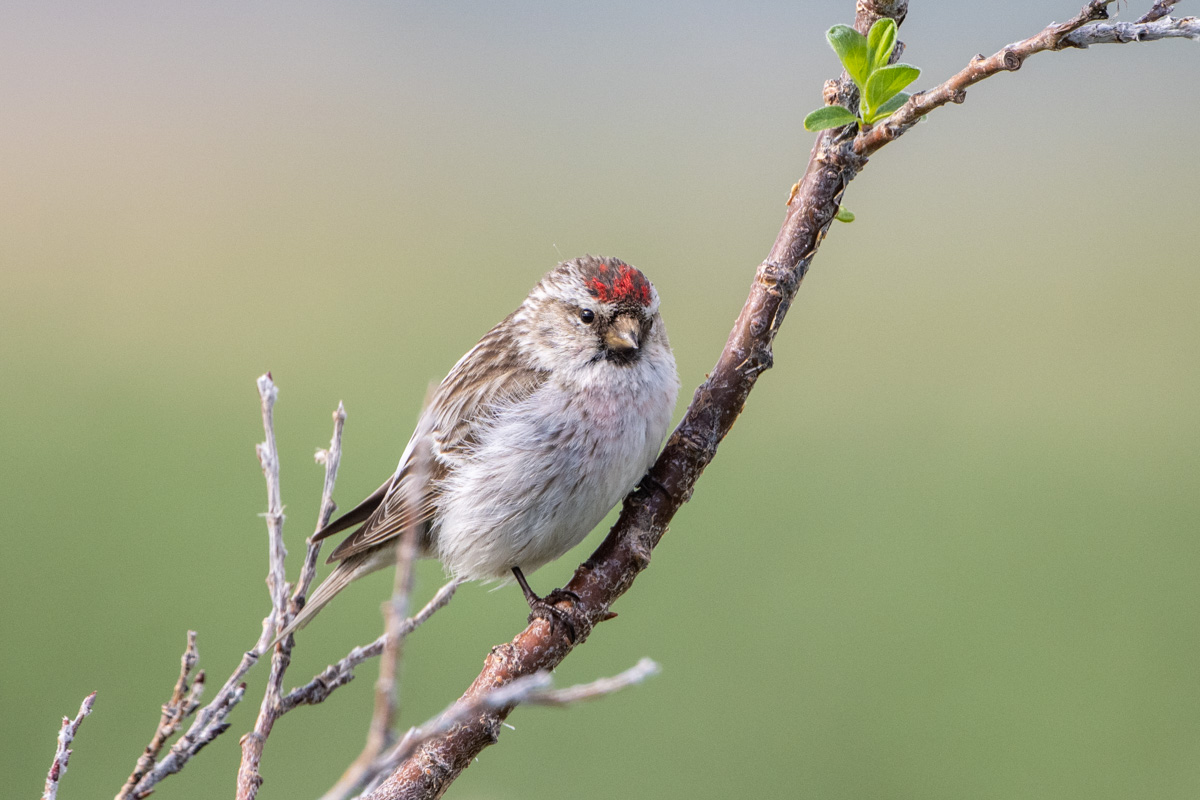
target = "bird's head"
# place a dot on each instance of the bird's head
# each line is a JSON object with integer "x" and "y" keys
{"x": 594, "y": 310}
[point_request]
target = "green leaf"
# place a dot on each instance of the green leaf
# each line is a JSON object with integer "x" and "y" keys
{"x": 886, "y": 82}
{"x": 828, "y": 117}
{"x": 890, "y": 107}
{"x": 851, "y": 47}
{"x": 844, "y": 214}
{"x": 881, "y": 40}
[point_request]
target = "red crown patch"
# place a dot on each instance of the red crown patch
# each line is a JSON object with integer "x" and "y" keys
{"x": 619, "y": 283}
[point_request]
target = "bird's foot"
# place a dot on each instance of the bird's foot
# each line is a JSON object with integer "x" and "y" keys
{"x": 546, "y": 607}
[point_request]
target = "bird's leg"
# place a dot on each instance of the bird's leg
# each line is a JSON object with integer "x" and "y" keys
{"x": 543, "y": 607}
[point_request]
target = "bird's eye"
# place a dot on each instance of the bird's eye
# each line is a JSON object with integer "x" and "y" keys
{"x": 588, "y": 316}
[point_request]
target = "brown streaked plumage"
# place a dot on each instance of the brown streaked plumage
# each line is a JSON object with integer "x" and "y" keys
{"x": 533, "y": 435}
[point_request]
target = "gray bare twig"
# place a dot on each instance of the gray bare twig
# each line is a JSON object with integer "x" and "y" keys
{"x": 208, "y": 725}
{"x": 381, "y": 733}
{"x": 273, "y": 706}
{"x": 210, "y": 720}
{"x": 597, "y": 688}
{"x": 1160, "y": 9}
{"x": 183, "y": 703}
{"x": 62, "y": 754}
{"x": 330, "y": 459}
{"x": 528, "y": 690}
{"x": 248, "y": 778}
{"x": 1140, "y": 31}
{"x": 341, "y": 673}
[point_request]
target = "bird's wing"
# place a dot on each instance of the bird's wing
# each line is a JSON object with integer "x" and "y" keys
{"x": 490, "y": 376}
{"x": 356, "y": 514}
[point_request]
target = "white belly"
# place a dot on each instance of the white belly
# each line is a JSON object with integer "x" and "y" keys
{"x": 541, "y": 479}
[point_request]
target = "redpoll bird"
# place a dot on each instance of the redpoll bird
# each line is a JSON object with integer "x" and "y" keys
{"x": 538, "y": 431}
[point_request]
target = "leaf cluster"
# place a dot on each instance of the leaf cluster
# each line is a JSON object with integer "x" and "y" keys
{"x": 865, "y": 59}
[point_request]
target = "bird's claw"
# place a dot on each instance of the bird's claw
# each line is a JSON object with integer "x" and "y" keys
{"x": 545, "y": 608}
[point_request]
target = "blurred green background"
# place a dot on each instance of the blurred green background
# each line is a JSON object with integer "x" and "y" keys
{"x": 950, "y": 550}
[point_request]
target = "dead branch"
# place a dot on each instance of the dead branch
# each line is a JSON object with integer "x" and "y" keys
{"x": 1124, "y": 32}
{"x": 208, "y": 725}
{"x": 272, "y": 708}
{"x": 183, "y": 703}
{"x": 836, "y": 159}
{"x": 381, "y": 732}
{"x": 341, "y": 673}
{"x": 1160, "y": 9}
{"x": 330, "y": 459}
{"x": 210, "y": 721}
{"x": 600, "y": 687}
{"x": 528, "y": 690}
{"x": 66, "y": 734}
{"x": 248, "y": 778}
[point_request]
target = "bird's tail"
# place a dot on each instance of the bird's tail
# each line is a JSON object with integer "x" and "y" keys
{"x": 347, "y": 571}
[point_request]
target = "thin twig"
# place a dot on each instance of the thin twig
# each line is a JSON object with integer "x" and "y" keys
{"x": 248, "y": 777}
{"x": 62, "y": 754}
{"x": 330, "y": 459}
{"x": 210, "y": 721}
{"x": 272, "y": 708}
{"x": 208, "y": 725}
{"x": 528, "y": 690}
{"x": 341, "y": 673}
{"x": 381, "y": 733}
{"x": 268, "y": 457}
{"x": 1160, "y": 9}
{"x": 608, "y": 573}
{"x": 600, "y": 687}
{"x": 183, "y": 703}
{"x": 1125, "y": 32}
{"x": 954, "y": 90}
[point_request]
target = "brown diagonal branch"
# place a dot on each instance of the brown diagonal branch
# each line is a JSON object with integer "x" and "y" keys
{"x": 835, "y": 160}
{"x": 62, "y": 754}
{"x": 625, "y": 552}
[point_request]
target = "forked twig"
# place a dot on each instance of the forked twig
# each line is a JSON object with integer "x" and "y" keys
{"x": 528, "y": 690}
{"x": 210, "y": 721}
{"x": 342, "y": 672}
{"x": 1080, "y": 31}
{"x": 183, "y": 703}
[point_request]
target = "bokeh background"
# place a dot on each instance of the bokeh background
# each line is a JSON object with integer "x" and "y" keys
{"x": 949, "y": 551}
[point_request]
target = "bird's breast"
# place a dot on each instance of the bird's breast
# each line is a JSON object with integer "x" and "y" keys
{"x": 545, "y": 472}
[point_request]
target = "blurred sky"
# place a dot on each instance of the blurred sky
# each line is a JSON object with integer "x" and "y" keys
{"x": 949, "y": 551}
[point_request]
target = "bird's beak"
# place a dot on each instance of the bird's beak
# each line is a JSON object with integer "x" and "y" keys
{"x": 623, "y": 335}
